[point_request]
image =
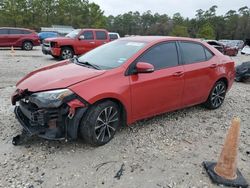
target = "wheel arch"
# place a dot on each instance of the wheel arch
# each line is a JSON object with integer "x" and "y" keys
{"x": 121, "y": 106}
{"x": 223, "y": 79}
{"x": 68, "y": 46}
{"x": 27, "y": 40}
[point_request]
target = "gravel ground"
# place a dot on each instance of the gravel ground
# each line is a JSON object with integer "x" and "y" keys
{"x": 164, "y": 151}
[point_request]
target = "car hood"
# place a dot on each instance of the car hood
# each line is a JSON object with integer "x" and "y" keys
{"x": 58, "y": 39}
{"x": 246, "y": 50}
{"x": 60, "y": 75}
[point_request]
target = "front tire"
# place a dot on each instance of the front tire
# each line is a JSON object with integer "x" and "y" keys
{"x": 100, "y": 123}
{"x": 27, "y": 45}
{"x": 216, "y": 96}
{"x": 54, "y": 56}
{"x": 66, "y": 53}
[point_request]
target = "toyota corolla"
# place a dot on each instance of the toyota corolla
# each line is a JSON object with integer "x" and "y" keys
{"x": 119, "y": 83}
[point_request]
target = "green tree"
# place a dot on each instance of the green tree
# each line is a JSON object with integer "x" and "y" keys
{"x": 206, "y": 31}
{"x": 235, "y": 24}
{"x": 180, "y": 31}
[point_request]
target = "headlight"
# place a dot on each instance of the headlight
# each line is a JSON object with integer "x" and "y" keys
{"x": 50, "y": 99}
{"x": 53, "y": 44}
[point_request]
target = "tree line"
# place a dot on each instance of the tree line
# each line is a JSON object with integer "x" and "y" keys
{"x": 235, "y": 24}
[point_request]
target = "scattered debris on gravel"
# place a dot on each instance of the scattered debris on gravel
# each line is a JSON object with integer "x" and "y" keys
{"x": 163, "y": 152}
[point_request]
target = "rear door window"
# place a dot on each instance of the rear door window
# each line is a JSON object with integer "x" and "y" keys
{"x": 161, "y": 56}
{"x": 101, "y": 35}
{"x": 192, "y": 52}
{"x": 15, "y": 31}
{"x": 3, "y": 31}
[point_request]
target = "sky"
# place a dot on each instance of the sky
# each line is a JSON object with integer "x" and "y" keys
{"x": 187, "y": 8}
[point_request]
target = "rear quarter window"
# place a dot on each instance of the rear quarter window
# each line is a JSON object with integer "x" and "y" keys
{"x": 209, "y": 54}
{"x": 192, "y": 52}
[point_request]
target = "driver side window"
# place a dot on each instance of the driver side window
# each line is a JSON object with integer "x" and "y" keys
{"x": 88, "y": 35}
{"x": 161, "y": 56}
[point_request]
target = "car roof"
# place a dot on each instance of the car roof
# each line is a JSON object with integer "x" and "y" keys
{"x": 16, "y": 28}
{"x": 93, "y": 29}
{"x": 215, "y": 41}
{"x": 49, "y": 32}
{"x": 212, "y": 41}
{"x": 152, "y": 39}
{"x": 113, "y": 33}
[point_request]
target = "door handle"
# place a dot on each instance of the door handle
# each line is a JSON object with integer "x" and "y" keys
{"x": 92, "y": 42}
{"x": 179, "y": 73}
{"x": 213, "y": 65}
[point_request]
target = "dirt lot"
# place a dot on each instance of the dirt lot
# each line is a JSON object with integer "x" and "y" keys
{"x": 165, "y": 151}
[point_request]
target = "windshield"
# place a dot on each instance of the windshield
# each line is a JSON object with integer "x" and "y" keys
{"x": 73, "y": 34}
{"x": 113, "y": 54}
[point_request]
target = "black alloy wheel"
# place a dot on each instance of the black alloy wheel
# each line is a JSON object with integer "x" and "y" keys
{"x": 66, "y": 53}
{"x": 217, "y": 95}
{"x": 27, "y": 45}
{"x": 100, "y": 123}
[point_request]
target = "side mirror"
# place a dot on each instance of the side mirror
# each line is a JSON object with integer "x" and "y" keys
{"x": 81, "y": 37}
{"x": 143, "y": 67}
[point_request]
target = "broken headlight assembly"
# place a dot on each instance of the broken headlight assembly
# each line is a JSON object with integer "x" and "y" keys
{"x": 51, "y": 99}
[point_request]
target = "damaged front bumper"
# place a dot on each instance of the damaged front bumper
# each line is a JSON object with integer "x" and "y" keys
{"x": 51, "y": 123}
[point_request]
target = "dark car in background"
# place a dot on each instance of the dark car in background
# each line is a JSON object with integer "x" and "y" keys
{"x": 47, "y": 34}
{"x": 226, "y": 50}
{"x": 239, "y": 44}
{"x": 18, "y": 37}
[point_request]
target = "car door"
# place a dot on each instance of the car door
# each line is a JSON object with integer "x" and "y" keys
{"x": 86, "y": 42}
{"x": 14, "y": 36}
{"x": 199, "y": 67}
{"x": 101, "y": 38}
{"x": 161, "y": 90}
{"x": 4, "y": 37}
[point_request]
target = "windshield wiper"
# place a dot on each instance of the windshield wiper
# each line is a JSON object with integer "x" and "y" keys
{"x": 76, "y": 60}
{"x": 89, "y": 64}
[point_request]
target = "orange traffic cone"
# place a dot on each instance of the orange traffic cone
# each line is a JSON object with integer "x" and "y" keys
{"x": 12, "y": 51}
{"x": 225, "y": 172}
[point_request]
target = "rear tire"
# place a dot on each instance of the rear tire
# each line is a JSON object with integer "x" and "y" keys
{"x": 27, "y": 45}
{"x": 66, "y": 53}
{"x": 216, "y": 96}
{"x": 100, "y": 123}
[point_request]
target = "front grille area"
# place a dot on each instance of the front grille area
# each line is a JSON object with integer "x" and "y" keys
{"x": 46, "y": 44}
{"x": 36, "y": 116}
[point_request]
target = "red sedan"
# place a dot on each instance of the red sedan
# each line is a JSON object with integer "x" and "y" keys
{"x": 119, "y": 83}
